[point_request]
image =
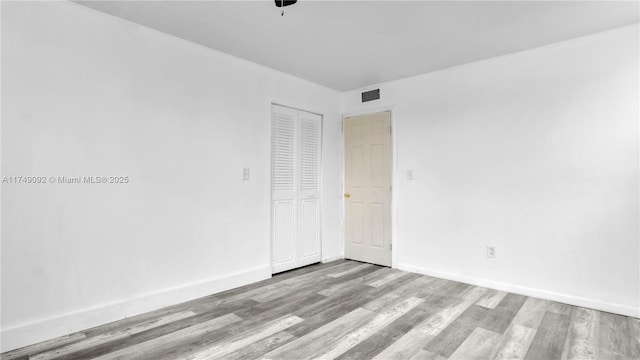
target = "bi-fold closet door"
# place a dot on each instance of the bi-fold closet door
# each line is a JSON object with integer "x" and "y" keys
{"x": 295, "y": 188}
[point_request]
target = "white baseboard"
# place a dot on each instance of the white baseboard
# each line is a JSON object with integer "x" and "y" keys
{"x": 331, "y": 258}
{"x": 527, "y": 291}
{"x": 44, "y": 329}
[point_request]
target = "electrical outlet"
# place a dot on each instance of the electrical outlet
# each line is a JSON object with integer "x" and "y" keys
{"x": 246, "y": 173}
{"x": 491, "y": 252}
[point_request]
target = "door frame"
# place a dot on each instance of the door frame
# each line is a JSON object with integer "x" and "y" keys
{"x": 394, "y": 175}
{"x": 320, "y": 191}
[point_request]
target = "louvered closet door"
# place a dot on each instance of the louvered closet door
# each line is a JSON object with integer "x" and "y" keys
{"x": 295, "y": 185}
{"x": 309, "y": 180}
{"x": 283, "y": 188}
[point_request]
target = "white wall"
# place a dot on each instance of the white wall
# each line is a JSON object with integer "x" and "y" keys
{"x": 89, "y": 94}
{"x": 535, "y": 153}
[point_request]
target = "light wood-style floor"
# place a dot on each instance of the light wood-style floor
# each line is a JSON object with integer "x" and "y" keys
{"x": 351, "y": 310}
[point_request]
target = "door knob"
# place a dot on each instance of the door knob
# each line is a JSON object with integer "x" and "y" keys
{"x": 347, "y": 195}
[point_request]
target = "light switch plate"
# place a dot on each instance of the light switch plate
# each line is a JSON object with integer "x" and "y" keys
{"x": 246, "y": 173}
{"x": 409, "y": 174}
{"x": 491, "y": 252}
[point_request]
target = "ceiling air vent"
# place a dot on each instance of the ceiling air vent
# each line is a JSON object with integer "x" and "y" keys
{"x": 282, "y": 3}
{"x": 371, "y": 95}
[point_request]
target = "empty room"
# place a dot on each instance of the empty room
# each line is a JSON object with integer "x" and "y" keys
{"x": 320, "y": 180}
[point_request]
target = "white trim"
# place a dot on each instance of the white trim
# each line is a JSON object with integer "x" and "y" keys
{"x": 321, "y": 187}
{"x": 527, "y": 291}
{"x": 369, "y": 111}
{"x": 296, "y": 108}
{"x": 47, "y": 328}
{"x": 395, "y": 180}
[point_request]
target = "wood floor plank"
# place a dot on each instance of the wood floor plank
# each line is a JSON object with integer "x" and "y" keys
{"x": 358, "y": 284}
{"x": 375, "y": 344}
{"x": 243, "y": 289}
{"x": 550, "y": 337}
{"x": 421, "y": 287}
{"x": 381, "y": 302}
{"x": 380, "y": 274}
{"x": 111, "y": 336}
{"x": 634, "y": 327}
{"x": 437, "y": 323}
{"x": 259, "y": 294}
{"x": 388, "y": 278}
{"x": 533, "y": 311}
{"x": 222, "y": 349}
{"x": 284, "y": 304}
{"x": 267, "y": 289}
{"x": 514, "y": 344}
{"x": 170, "y": 340}
{"x": 514, "y": 302}
{"x": 615, "y": 340}
{"x": 259, "y": 348}
{"x": 491, "y": 299}
{"x": 327, "y": 312}
{"x": 441, "y": 301}
{"x": 583, "y": 335}
{"x": 450, "y": 338}
{"x": 43, "y": 346}
{"x": 232, "y": 331}
{"x": 217, "y": 312}
{"x": 197, "y": 306}
{"x": 271, "y": 292}
{"x": 329, "y": 309}
{"x": 426, "y": 331}
{"x": 496, "y": 320}
{"x": 406, "y": 346}
{"x": 478, "y": 345}
{"x": 380, "y": 321}
{"x": 428, "y": 285}
{"x": 427, "y": 355}
{"x": 306, "y": 278}
{"x": 452, "y": 288}
{"x": 348, "y": 271}
{"x": 324, "y": 282}
{"x": 343, "y": 303}
{"x": 340, "y": 287}
{"x": 312, "y": 343}
{"x": 445, "y": 327}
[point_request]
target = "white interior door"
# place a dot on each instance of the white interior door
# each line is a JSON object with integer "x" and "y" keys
{"x": 368, "y": 188}
{"x": 295, "y": 185}
{"x": 309, "y": 194}
{"x": 283, "y": 188}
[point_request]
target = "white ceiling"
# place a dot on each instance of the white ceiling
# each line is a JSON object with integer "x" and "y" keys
{"x": 352, "y": 44}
